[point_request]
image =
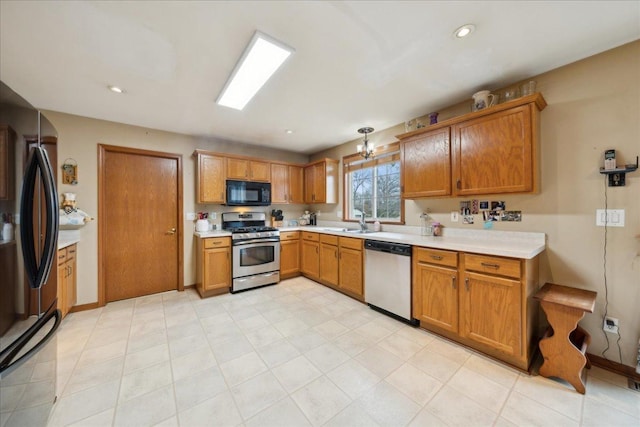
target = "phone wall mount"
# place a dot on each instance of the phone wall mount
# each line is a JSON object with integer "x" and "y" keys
{"x": 617, "y": 176}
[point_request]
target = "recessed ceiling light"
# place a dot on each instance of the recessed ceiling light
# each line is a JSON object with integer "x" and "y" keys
{"x": 262, "y": 57}
{"x": 289, "y": 131}
{"x": 464, "y": 31}
{"x": 116, "y": 89}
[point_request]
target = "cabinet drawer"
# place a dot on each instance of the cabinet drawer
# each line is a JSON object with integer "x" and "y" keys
{"x": 492, "y": 265}
{"x": 435, "y": 256}
{"x": 329, "y": 239}
{"x": 71, "y": 252}
{"x": 351, "y": 242}
{"x": 216, "y": 242}
{"x": 289, "y": 235}
{"x": 62, "y": 256}
{"x": 310, "y": 236}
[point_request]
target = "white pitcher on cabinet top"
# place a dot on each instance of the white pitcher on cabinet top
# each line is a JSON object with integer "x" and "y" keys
{"x": 483, "y": 99}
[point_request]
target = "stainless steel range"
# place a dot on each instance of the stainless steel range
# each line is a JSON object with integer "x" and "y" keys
{"x": 255, "y": 250}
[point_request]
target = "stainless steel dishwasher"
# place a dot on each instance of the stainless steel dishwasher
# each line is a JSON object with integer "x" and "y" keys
{"x": 387, "y": 279}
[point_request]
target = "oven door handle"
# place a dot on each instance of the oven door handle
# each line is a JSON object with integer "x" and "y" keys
{"x": 254, "y": 241}
{"x": 244, "y": 279}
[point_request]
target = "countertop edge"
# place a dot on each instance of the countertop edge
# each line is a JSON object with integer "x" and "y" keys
{"x": 66, "y": 243}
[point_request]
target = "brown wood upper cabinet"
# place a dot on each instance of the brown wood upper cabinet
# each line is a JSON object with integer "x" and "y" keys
{"x": 286, "y": 184}
{"x": 248, "y": 170}
{"x": 426, "y": 164}
{"x": 7, "y": 163}
{"x": 492, "y": 151}
{"x": 493, "y": 154}
{"x": 211, "y": 178}
{"x": 321, "y": 182}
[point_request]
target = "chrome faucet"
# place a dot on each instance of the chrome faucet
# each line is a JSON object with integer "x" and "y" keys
{"x": 363, "y": 223}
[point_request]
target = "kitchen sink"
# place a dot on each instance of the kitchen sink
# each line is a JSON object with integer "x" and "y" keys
{"x": 360, "y": 231}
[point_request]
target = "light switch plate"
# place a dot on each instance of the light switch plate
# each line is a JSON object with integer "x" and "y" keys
{"x": 454, "y": 216}
{"x": 613, "y": 217}
{"x": 190, "y": 216}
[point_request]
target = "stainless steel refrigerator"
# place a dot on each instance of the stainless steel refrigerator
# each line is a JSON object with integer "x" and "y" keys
{"x": 28, "y": 350}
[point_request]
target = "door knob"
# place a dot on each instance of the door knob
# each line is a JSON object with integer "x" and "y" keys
{"x": 171, "y": 231}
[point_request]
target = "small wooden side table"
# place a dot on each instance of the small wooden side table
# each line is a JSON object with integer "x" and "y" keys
{"x": 564, "y": 345}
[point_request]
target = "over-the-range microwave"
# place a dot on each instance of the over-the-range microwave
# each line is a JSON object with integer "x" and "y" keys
{"x": 248, "y": 193}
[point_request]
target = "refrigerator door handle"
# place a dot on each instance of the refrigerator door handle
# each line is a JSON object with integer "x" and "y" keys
{"x": 38, "y": 271}
{"x": 7, "y": 355}
{"x": 53, "y": 220}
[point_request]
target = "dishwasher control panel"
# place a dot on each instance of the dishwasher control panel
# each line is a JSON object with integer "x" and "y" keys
{"x": 389, "y": 247}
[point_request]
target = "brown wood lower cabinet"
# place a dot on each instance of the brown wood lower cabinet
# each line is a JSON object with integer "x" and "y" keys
{"x": 310, "y": 255}
{"x": 289, "y": 254}
{"x": 351, "y": 267}
{"x": 340, "y": 263}
{"x": 329, "y": 259}
{"x": 67, "y": 279}
{"x": 214, "y": 266}
{"x": 481, "y": 301}
{"x": 435, "y": 288}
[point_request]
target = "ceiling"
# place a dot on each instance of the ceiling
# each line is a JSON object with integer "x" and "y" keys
{"x": 357, "y": 63}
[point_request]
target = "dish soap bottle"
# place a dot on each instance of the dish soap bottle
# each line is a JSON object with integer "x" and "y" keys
{"x": 376, "y": 225}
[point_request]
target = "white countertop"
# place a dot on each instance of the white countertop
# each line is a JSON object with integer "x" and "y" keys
{"x": 68, "y": 238}
{"x": 513, "y": 244}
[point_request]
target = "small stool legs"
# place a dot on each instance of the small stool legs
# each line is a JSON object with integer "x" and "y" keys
{"x": 563, "y": 351}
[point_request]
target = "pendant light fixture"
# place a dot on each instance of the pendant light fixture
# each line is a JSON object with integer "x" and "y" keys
{"x": 367, "y": 149}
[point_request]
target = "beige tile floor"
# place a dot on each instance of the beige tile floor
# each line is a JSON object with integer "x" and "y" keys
{"x": 298, "y": 354}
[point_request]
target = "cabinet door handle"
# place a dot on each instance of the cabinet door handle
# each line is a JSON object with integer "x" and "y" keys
{"x": 466, "y": 284}
{"x": 458, "y": 184}
{"x": 489, "y": 265}
{"x": 453, "y": 282}
{"x": 316, "y": 249}
{"x": 335, "y": 254}
{"x": 436, "y": 257}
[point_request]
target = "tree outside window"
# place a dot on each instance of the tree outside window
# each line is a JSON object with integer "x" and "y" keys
{"x": 374, "y": 189}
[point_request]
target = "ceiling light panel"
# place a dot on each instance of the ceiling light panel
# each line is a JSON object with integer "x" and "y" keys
{"x": 260, "y": 60}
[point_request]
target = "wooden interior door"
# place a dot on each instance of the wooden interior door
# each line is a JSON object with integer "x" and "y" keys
{"x": 140, "y": 217}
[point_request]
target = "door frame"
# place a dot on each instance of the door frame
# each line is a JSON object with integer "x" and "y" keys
{"x": 103, "y": 149}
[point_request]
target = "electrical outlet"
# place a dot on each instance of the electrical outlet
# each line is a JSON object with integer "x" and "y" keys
{"x": 190, "y": 216}
{"x": 213, "y": 215}
{"x": 610, "y": 325}
{"x": 613, "y": 217}
{"x": 454, "y": 216}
